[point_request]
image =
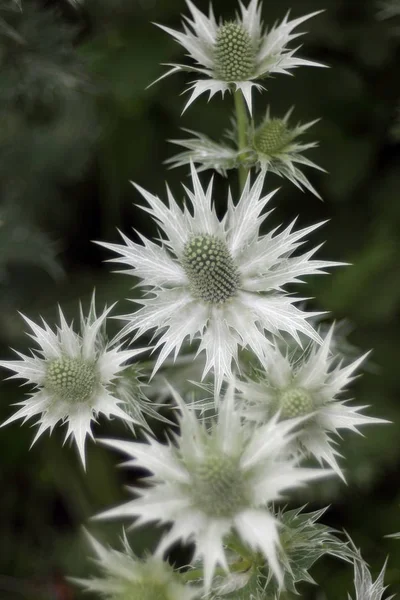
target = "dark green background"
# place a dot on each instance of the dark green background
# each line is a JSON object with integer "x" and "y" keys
{"x": 76, "y": 124}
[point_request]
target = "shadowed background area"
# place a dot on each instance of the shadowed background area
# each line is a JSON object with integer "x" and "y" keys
{"x": 76, "y": 124}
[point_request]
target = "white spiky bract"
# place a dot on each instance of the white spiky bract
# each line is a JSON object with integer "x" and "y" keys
{"x": 73, "y": 374}
{"x": 309, "y": 385}
{"x": 237, "y": 296}
{"x": 216, "y": 480}
{"x": 365, "y": 588}
{"x": 257, "y": 54}
{"x": 125, "y": 576}
{"x": 272, "y": 146}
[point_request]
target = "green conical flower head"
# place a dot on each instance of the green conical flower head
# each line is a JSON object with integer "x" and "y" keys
{"x": 235, "y": 59}
{"x": 211, "y": 270}
{"x": 295, "y": 402}
{"x": 71, "y": 379}
{"x": 218, "y": 485}
{"x": 271, "y": 137}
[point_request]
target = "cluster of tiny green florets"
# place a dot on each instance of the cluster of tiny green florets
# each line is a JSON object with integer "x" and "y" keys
{"x": 234, "y": 53}
{"x": 211, "y": 270}
{"x": 71, "y": 379}
{"x": 271, "y": 137}
{"x": 218, "y": 485}
{"x": 295, "y": 402}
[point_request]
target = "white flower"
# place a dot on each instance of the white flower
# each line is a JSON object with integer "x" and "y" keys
{"x": 365, "y": 588}
{"x": 233, "y": 54}
{"x": 272, "y": 146}
{"x": 307, "y": 386}
{"x": 73, "y": 375}
{"x": 217, "y": 281}
{"x": 127, "y": 577}
{"x": 214, "y": 481}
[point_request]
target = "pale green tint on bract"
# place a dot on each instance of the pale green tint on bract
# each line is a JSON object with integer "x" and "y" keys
{"x": 147, "y": 590}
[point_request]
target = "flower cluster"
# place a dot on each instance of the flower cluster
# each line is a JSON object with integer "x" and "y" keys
{"x": 216, "y": 293}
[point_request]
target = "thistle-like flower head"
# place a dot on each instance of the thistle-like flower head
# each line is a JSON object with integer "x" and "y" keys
{"x": 73, "y": 374}
{"x": 272, "y": 146}
{"x": 217, "y": 281}
{"x": 234, "y": 54}
{"x": 215, "y": 480}
{"x": 126, "y": 577}
{"x": 307, "y": 386}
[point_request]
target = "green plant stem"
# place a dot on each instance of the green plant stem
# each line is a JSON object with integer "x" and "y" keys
{"x": 241, "y": 123}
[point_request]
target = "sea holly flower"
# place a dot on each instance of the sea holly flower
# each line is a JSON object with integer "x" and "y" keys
{"x": 272, "y": 146}
{"x": 73, "y": 374}
{"x": 217, "y": 281}
{"x": 232, "y": 55}
{"x": 126, "y": 577}
{"x": 309, "y": 385}
{"x": 215, "y": 480}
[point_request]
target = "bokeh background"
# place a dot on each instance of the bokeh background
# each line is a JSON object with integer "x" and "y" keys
{"x": 76, "y": 124}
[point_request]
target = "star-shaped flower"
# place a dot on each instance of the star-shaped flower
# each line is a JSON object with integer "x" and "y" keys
{"x": 217, "y": 281}
{"x": 232, "y": 55}
{"x": 74, "y": 376}
{"x": 309, "y": 385}
{"x": 215, "y": 480}
{"x": 125, "y": 576}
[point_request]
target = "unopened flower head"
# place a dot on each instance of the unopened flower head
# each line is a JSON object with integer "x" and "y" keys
{"x": 74, "y": 376}
{"x": 272, "y": 146}
{"x": 278, "y": 149}
{"x": 232, "y": 55}
{"x": 307, "y": 386}
{"x": 126, "y": 577}
{"x": 215, "y": 480}
{"x": 217, "y": 281}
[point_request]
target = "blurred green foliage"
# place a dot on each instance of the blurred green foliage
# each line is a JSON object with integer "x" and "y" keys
{"x": 77, "y": 122}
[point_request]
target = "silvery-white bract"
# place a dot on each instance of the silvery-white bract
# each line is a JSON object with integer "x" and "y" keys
{"x": 217, "y": 281}
{"x": 73, "y": 374}
{"x": 125, "y": 576}
{"x": 215, "y": 480}
{"x": 309, "y": 385}
{"x": 365, "y": 588}
{"x": 232, "y": 55}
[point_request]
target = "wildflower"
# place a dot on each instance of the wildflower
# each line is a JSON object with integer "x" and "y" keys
{"x": 217, "y": 281}
{"x": 307, "y": 386}
{"x": 215, "y": 480}
{"x": 73, "y": 375}
{"x": 126, "y": 577}
{"x": 272, "y": 146}
{"x": 234, "y": 54}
